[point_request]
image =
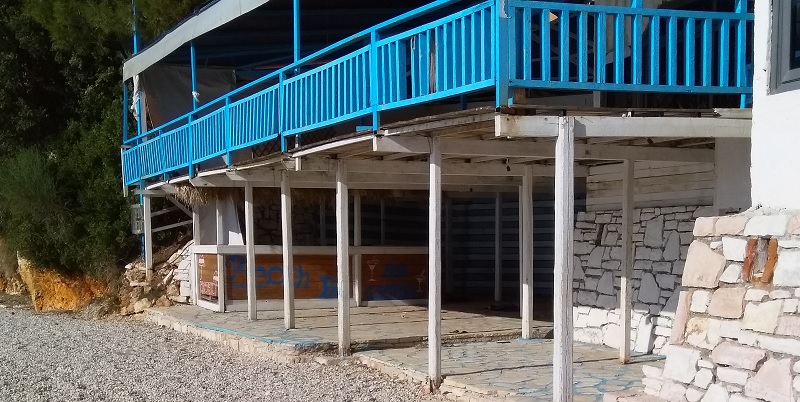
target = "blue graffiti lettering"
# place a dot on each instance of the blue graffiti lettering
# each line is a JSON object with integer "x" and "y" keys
{"x": 329, "y": 289}
{"x": 302, "y": 278}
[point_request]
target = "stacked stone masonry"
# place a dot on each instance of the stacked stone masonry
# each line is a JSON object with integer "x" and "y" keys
{"x": 735, "y": 337}
{"x": 661, "y": 238}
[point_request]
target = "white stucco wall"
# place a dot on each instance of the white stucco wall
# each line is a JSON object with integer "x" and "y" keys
{"x": 775, "y": 170}
{"x": 732, "y": 172}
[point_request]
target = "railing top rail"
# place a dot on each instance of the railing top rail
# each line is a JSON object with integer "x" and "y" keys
{"x": 365, "y": 34}
{"x": 633, "y": 11}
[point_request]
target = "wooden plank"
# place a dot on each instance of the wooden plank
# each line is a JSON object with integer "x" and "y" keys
{"x": 288, "y": 255}
{"x": 250, "y": 241}
{"x": 627, "y": 261}
{"x": 435, "y": 266}
{"x": 343, "y": 259}
{"x": 652, "y": 181}
{"x": 563, "y": 274}
{"x": 148, "y": 237}
{"x": 639, "y": 173}
{"x": 220, "y": 260}
{"x": 527, "y": 256}
{"x": 656, "y": 189}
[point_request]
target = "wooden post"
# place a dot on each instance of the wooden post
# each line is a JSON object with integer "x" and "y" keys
{"x": 527, "y": 252}
{"x": 343, "y": 258}
{"x": 498, "y": 247}
{"x": 449, "y": 269}
{"x": 220, "y": 257}
{"x": 357, "y": 295}
{"x": 288, "y": 257}
{"x": 194, "y": 272}
{"x": 435, "y": 267}
{"x": 148, "y": 237}
{"x": 250, "y": 247}
{"x": 519, "y": 245}
{"x": 564, "y": 226}
{"x": 627, "y": 260}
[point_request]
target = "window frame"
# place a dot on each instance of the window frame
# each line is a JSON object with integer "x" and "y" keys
{"x": 784, "y": 78}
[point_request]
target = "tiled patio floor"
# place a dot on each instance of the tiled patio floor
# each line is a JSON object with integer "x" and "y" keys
{"x": 482, "y": 354}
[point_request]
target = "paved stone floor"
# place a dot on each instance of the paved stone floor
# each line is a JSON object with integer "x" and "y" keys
{"x": 370, "y": 326}
{"x": 521, "y": 368}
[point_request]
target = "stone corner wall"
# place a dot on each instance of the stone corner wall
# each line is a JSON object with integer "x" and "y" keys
{"x": 736, "y": 333}
{"x": 661, "y": 238}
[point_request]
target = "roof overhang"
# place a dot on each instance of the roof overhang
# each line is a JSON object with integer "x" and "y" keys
{"x": 210, "y": 18}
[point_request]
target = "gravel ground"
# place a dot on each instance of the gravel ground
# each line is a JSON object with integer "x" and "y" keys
{"x": 60, "y": 357}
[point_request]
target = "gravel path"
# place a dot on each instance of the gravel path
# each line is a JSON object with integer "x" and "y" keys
{"x": 59, "y": 357}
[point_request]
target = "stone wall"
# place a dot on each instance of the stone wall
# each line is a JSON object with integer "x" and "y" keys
{"x": 661, "y": 238}
{"x": 736, "y": 335}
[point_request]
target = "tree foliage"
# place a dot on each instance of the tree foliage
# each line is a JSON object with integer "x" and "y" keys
{"x": 61, "y": 202}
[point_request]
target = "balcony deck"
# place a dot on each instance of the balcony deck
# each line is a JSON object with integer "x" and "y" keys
{"x": 488, "y": 50}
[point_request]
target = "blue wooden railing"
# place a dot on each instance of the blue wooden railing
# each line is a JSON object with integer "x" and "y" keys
{"x": 475, "y": 49}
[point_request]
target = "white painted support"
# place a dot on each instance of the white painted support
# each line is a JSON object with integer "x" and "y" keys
{"x": 435, "y": 266}
{"x": 519, "y": 244}
{"x": 220, "y": 258}
{"x": 563, "y": 261}
{"x": 148, "y": 237}
{"x": 527, "y": 253}
{"x": 357, "y": 295}
{"x": 288, "y": 256}
{"x": 449, "y": 269}
{"x": 194, "y": 272}
{"x": 343, "y": 259}
{"x": 626, "y": 228}
{"x": 250, "y": 246}
{"x": 498, "y": 247}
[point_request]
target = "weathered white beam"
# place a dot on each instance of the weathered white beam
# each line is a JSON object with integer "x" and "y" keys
{"x": 626, "y": 228}
{"x": 194, "y": 272}
{"x": 357, "y": 295}
{"x": 563, "y": 262}
{"x": 288, "y": 255}
{"x": 148, "y": 237}
{"x": 450, "y": 124}
{"x": 220, "y": 226}
{"x": 435, "y": 266}
{"x": 343, "y": 259}
{"x": 421, "y": 168}
{"x": 526, "y": 267}
{"x": 333, "y": 145}
{"x": 250, "y": 245}
{"x": 498, "y": 247}
{"x": 519, "y": 245}
{"x": 624, "y": 126}
{"x": 529, "y": 149}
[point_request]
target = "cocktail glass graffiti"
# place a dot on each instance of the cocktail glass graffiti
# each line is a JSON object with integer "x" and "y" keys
{"x": 372, "y": 264}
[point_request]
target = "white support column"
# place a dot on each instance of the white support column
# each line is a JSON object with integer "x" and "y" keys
{"x": 627, "y": 260}
{"x": 357, "y": 295}
{"x": 435, "y": 267}
{"x": 519, "y": 245}
{"x": 288, "y": 257}
{"x": 343, "y": 258}
{"x": 194, "y": 272}
{"x": 220, "y": 258}
{"x": 564, "y": 226}
{"x": 449, "y": 269}
{"x": 498, "y": 247}
{"x": 148, "y": 237}
{"x": 250, "y": 247}
{"x": 527, "y": 252}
